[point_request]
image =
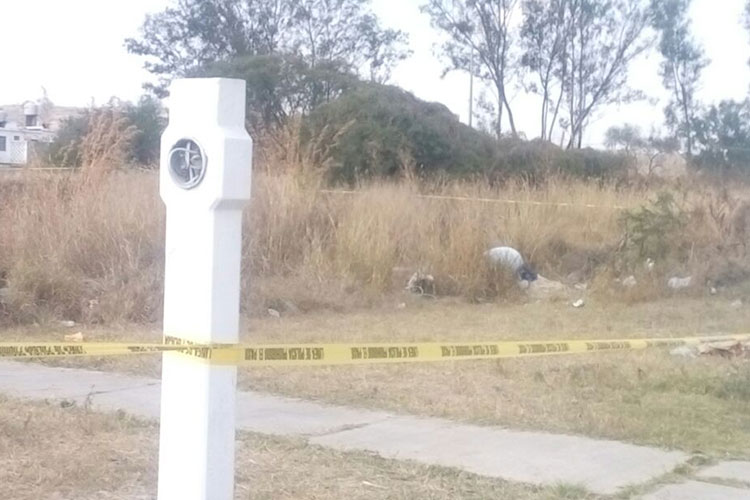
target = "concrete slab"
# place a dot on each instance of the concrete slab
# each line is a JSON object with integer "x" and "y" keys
{"x": 140, "y": 396}
{"x": 269, "y": 414}
{"x": 537, "y": 458}
{"x": 37, "y": 381}
{"x": 696, "y": 490}
{"x": 733, "y": 470}
{"x": 530, "y": 457}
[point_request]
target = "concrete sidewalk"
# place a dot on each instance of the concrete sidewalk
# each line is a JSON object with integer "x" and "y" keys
{"x": 601, "y": 466}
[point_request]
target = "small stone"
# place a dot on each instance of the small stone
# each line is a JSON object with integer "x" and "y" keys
{"x": 74, "y": 337}
{"x": 683, "y": 351}
{"x": 712, "y": 291}
{"x": 401, "y": 305}
{"x": 578, "y": 303}
{"x": 274, "y": 313}
{"x": 629, "y": 282}
{"x": 736, "y": 304}
{"x": 676, "y": 283}
{"x": 68, "y": 323}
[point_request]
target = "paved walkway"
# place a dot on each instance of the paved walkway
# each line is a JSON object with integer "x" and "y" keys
{"x": 600, "y": 466}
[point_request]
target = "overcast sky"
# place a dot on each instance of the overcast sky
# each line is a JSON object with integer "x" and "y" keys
{"x": 75, "y": 50}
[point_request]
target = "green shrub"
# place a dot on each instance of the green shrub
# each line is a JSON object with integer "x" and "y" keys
{"x": 148, "y": 119}
{"x": 145, "y": 119}
{"x": 653, "y": 231}
{"x": 65, "y": 150}
{"x": 379, "y": 130}
{"x": 538, "y": 159}
{"x": 279, "y": 86}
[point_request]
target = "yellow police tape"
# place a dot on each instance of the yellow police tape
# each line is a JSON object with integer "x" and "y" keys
{"x": 349, "y": 353}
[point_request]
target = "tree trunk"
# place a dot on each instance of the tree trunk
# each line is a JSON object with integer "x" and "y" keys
{"x": 510, "y": 116}
{"x": 499, "y": 124}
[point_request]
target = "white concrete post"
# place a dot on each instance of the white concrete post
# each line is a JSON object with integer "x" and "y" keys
{"x": 205, "y": 174}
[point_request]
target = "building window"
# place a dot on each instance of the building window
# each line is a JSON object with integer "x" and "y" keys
{"x": 16, "y": 138}
{"x": 31, "y": 120}
{"x": 3, "y": 146}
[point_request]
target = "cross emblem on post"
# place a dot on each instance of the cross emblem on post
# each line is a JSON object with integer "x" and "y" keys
{"x": 187, "y": 163}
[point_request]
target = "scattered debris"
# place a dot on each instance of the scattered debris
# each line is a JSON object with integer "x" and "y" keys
{"x": 581, "y": 286}
{"x": 68, "y": 323}
{"x": 401, "y": 305}
{"x": 736, "y": 304}
{"x": 629, "y": 282}
{"x": 274, "y": 313}
{"x": 283, "y": 306}
{"x": 684, "y": 351}
{"x": 712, "y": 291}
{"x": 578, "y": 303}
{"x": 542, "y": 288}
{"x": 422, "y": 284}
{"x": 676, "y": 283}
{"x": 728, "y": 349}
{"x": 373, "y": 485}
{"x": 649, "y": 264}
{"x": 74, "y": 337}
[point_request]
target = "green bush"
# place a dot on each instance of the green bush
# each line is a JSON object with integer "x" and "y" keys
{"x": 537, "y": 159}
{"x": 723, "y": 136}
{"x": 280, "y": 86}
{"x": 146, "y": 119}
{"x": 654, "y": 231}
{"x": 378, "y": 130}
{"x": 65, "y": 150}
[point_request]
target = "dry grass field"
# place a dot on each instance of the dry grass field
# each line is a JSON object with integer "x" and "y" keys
{"x": 88, "y": 246}
{"x": 648, "y": 397}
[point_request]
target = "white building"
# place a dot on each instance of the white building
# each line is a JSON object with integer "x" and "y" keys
{"x": 16, "y": 139}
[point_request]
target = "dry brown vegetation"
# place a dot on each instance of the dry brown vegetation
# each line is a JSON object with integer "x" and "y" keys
{"x": 88, "y": 246}
{"x": 648, "y": 397}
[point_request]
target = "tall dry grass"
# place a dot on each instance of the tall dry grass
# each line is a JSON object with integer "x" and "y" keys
{"x": 92, "y": 250}
{"x": 88, "y": 245}
{"x": 72, "y": 248}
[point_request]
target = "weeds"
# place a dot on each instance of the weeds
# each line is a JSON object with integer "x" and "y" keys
{"x": 88, "y": 245}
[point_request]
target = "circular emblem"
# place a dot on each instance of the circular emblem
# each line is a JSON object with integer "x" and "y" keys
{"x": 187, "y": 163}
